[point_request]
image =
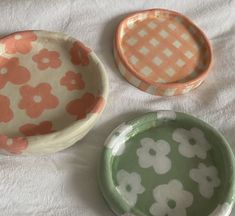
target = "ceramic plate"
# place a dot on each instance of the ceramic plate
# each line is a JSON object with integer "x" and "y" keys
{"x": 167, "y": 164}
{"x": 162, "y": 52}
{"x": 52, "y": 90}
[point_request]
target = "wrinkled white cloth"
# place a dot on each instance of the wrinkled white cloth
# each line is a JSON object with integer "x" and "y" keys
{"x": 65, "y": 183}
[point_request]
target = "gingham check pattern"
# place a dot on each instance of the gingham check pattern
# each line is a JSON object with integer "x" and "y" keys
{"x": 149, "y": 88}
{"x": 164, "y": 50}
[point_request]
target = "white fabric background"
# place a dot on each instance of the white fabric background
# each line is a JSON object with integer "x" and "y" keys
{"x": 65, "y": 183}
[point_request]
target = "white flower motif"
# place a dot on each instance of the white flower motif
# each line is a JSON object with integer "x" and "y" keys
{"x": 222, "y": 210}
{"x": 116, "y": 140}
{"x": 171, "y": 200}
{"x": 154, "y": 154}
{"x": 129, "y": 186}
{"x": 166, "y": 114}
{"x": 192, "y": 142}
{"x": 207, "y": 178}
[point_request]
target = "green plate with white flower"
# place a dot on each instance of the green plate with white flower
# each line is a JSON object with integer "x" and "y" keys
{"x": 167, "y": 164}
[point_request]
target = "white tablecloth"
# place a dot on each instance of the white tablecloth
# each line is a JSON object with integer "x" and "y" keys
{"x": 65, "y": 183}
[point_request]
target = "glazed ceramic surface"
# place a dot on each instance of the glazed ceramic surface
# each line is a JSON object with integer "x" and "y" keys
{"x": 162, "y": 52}
{"x": 167, "y": 163}
{"x": 52, "y": 90}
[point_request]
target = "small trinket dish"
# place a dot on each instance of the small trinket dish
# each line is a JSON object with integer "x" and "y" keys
{"x": 167, "y": 163}
{"x": 162, "y": 52}
{"x": 52, "y": 91}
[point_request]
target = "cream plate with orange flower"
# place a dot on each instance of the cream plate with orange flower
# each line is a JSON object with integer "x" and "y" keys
{"x": 52, "y": 90}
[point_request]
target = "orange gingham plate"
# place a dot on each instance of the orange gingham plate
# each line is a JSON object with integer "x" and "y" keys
{"x": 162, "y": 52}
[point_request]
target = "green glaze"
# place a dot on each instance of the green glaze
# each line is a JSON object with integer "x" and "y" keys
{"x": 126, "y": 157}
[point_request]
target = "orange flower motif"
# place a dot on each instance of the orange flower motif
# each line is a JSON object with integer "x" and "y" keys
{"x": 79, "y": 54}
{"x": 13, "y": 145}
{"x": 6, "y": 113}
{"x": 35, "y": 100}
{"x": 88, "y": 103}
{"x": 47, "y": 59}
{"x": 19, "y": 42}
{"x": 72, "y": 81}
{"x": 33, "y": 129}
{"x": 11, "y": 71}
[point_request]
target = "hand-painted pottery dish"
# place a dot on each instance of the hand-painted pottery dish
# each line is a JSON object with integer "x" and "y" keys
{"x": 167, "y": 163}
{"x": 52, "y": 90}
{"x": 162, "y": 52}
